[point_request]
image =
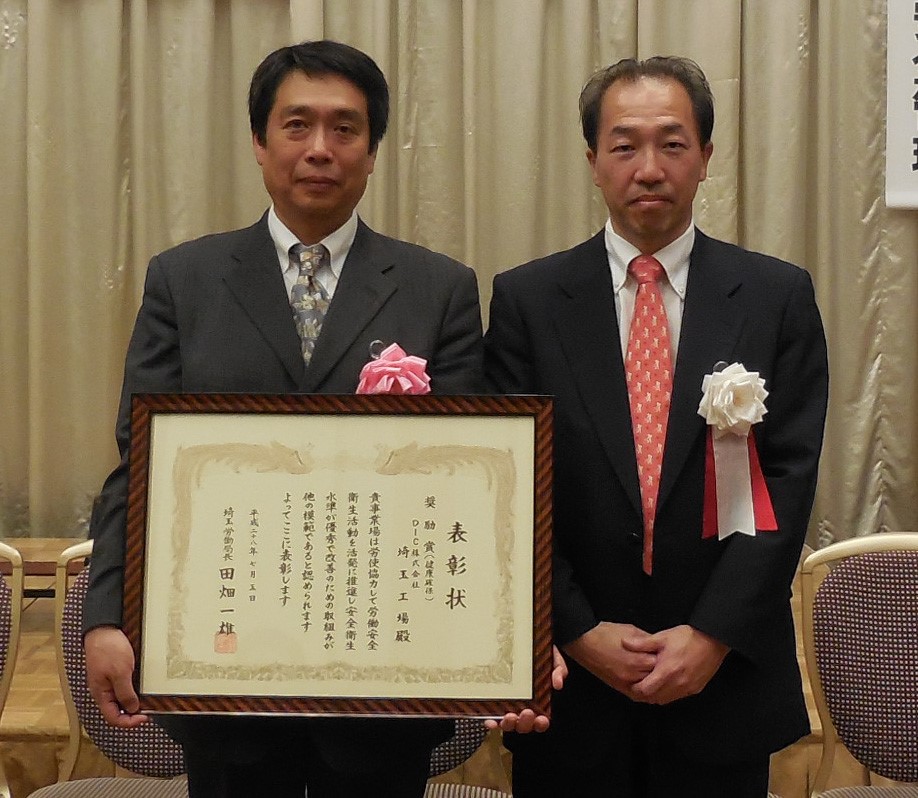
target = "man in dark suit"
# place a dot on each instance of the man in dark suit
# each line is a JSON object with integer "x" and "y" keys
{"x": 244, "y": 312}
{"x": 683, "y": 674}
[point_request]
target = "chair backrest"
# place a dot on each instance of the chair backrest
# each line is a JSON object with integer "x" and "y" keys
{"x": 147, "y": 750}
{"x": 462, "y": 791}
{"x": 470, "y": 733}
{"x": 10, "y": 617}
{"x": 107, "y": 787}
{"x": 860, "y": 636}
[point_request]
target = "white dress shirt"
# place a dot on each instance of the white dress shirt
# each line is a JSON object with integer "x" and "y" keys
{"x": 674, "y": 258}
{"x": 338, "y": 245}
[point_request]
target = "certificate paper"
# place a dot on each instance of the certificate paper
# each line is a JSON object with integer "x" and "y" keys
{"x": 364, "y": 555}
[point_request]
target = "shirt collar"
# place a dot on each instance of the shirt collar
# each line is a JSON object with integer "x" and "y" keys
{"x": 674, "y": 258}
{"x": 337, "y": 243}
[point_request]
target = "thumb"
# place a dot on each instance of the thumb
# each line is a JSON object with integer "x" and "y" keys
{"x": 648, "y": 644}
{"x": 125, "y": 695}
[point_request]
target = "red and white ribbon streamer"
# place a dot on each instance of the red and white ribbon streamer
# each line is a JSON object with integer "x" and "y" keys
{"x": 735, "y": 494}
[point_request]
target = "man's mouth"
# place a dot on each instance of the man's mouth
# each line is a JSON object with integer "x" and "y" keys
{"x": 318, "y": 181}
{"x": 649, "y": 199}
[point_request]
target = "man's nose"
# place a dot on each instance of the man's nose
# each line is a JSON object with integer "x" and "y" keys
{"x": 649, "y": 167}
{"x": 318, "y": 148}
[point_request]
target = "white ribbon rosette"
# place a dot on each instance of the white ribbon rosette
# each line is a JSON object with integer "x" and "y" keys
{"x": 736, "y": 497}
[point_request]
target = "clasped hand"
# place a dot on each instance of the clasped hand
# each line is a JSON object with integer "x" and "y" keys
{"x": 650, "y": 668}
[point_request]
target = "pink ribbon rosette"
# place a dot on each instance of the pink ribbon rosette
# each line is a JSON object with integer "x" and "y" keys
{"x": 394, "y": 372}
{"x": 735, "y": 494}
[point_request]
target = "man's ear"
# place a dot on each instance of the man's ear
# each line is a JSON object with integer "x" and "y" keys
{"x": 258, "y": 148}
{"x": 373, "y": 152}
{"x": 706, "y": 153}
{"x": 591, "y": 157}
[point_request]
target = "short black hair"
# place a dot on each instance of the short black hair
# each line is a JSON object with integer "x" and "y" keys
{"x": 323, "y": 57}
{"x": 683, "y": 70}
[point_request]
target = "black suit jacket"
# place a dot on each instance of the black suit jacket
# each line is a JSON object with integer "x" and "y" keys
{"x": 215, "y": 317}
{"x": 553, "y": 330}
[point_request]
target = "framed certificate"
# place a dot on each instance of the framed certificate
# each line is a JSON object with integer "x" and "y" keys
{"x": 355, "y": 554}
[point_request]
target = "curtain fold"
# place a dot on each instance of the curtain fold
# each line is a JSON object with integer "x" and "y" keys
{"x": 864, "y": 262}
{"x": 127, "y": 132}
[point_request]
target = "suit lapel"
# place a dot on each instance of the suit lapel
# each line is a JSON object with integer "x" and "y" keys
{"x": 255, "y": 280}
{"x": 588, "y": 330}
{"x": 363, "y": 289}
{"x": 711, "y": 324}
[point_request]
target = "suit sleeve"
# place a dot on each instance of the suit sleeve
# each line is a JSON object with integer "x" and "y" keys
{"x": 510, "y": 368}
{"x": 153, "y": 364}
{"x": 750, "y": 585}
{"x": 456, "y": 367}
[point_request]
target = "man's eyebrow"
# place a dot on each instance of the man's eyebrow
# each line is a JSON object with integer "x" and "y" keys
{"x": 306, "y": 110}
{"x": 673, "y": 127}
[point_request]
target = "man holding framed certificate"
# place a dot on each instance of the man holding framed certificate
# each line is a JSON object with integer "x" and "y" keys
{"x": 295, "y": 303}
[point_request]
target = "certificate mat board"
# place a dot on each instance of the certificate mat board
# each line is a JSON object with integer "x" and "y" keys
{"x": 340, "y": 554}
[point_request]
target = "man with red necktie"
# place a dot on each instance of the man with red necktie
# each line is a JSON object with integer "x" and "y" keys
{"x": 683, "y": 671}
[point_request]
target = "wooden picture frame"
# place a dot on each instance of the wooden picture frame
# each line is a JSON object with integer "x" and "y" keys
{"x": 330, "y": 554}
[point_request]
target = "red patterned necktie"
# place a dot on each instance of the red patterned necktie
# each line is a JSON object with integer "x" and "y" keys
{"x": 649, "y": 375}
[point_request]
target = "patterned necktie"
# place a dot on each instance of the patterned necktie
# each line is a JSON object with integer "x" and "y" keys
{"x": 308, "y": 298}
{"x": 648, "y": 373}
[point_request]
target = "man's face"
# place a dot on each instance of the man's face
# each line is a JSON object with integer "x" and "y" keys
{"x": 648, "y": 160}
{"x": 315, "y": 159}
